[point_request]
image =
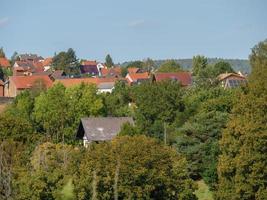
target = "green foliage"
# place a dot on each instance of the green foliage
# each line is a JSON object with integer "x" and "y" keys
{"x": 16, "y": 128}
{"x": 169, "y": 66}
{"x": 128, "y": 129}
{"x": 68, "y": 191}
{"x": 109, "y": 63}
{"x": 137, "y": 64}
{"x": 222, "y": 67}
{"x": 203, "y": 192}
{"x": 2, "y": 53}
{"x": 242, "y": 165}
{"x": 14, "y": 58}
{"x": 156, "y": 104}
{"x": 237, "y": 64}
{"x": 50, "y": 112}
{"x": 7, "y": 72}
{"x": 82, "y": 101}
{"x": 49, "y": 174}
{"x": 117, "y": 103}
{"x": 206, "y": 113}
{"x": 199, "y": 63}
{"x": 59, "y": 110}
{"x": 10, "y": 155}
{"x": 149, "y": 65}
{"x": 124, "y": 71}
{"x": 134, "y": 168}
{"x": 66, "y": 61}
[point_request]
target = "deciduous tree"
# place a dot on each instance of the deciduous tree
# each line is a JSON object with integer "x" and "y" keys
{"x": 170, "y": 66}
{"x": 242, "y": 165}
{"x": 144, "y": 169}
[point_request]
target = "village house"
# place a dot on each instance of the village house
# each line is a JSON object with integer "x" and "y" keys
{"x": 23, "y": 68}
{"x": 111, "y": 72}
{"x": 57, "y": 74}
{"x": 134, "y": 70}
{"x": 137, "y": 78}
{"x": 99, "y": 129}
{"x": 30, "y": 57}
{"x": 89, "y": 68}
{"x": 16, "y": 84}
{"x": 184, "y": 78}
{"x": 47, "y": 63}
{"x": 101, "y": 66}
{"x": 103, "y": 84}
{"x": 231, "y": 80}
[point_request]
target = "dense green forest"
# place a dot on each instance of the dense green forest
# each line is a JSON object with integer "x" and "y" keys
{"x": 181, "y": 136}
{"x": 237, "y": 64}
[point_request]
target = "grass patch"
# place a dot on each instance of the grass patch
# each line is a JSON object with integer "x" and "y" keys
{"x": 203, "y": 192}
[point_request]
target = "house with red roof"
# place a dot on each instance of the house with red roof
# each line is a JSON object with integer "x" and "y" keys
{"x": 184, "y": 78}
{"x": 4, "y": 62}
{"x": 16, "y": 84}
{"x": 47, "y": 63}
{"x": 103, "y": 84}
{"x": 133, "y": 70}
{"x": 111, "y": 72}
{"x": 27, "y": 68}
{"x": 137, "y": 78}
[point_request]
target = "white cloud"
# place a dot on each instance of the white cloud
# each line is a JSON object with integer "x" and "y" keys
{"x": 136, "y": 23}
{"x": 3, "y": 21}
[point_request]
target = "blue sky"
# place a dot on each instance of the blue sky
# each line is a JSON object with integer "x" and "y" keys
{"x": 131, "y": 30}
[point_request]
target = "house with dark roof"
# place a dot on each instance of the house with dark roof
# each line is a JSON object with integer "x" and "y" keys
{"x": 231, "y": 80}
{"x": 90, "y": 68}
{"x": 30, "y": 57}
{"x": 184, "y": 78}
{"x": 16, "y": 84}
{"x": 99, "y": 129}
{"x": 57, "y": 74}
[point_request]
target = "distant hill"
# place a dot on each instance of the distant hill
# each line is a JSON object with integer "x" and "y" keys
{"x": 237, "y": 64}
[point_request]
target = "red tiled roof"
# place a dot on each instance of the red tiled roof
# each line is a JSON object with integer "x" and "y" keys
{"x": 116, "y": 71}
{"x": 4, "y": 62}
{"x": 69, "y": 82}
{"x": 138, "y": 76}
{"x": 26, "y": 82}
{"x": 132, "y": 70}
{"x": 89, "y": 62}
{"x": 38, "y": 66}
{"x": 184, "y": 78}
{"x": 47, "y": 61}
